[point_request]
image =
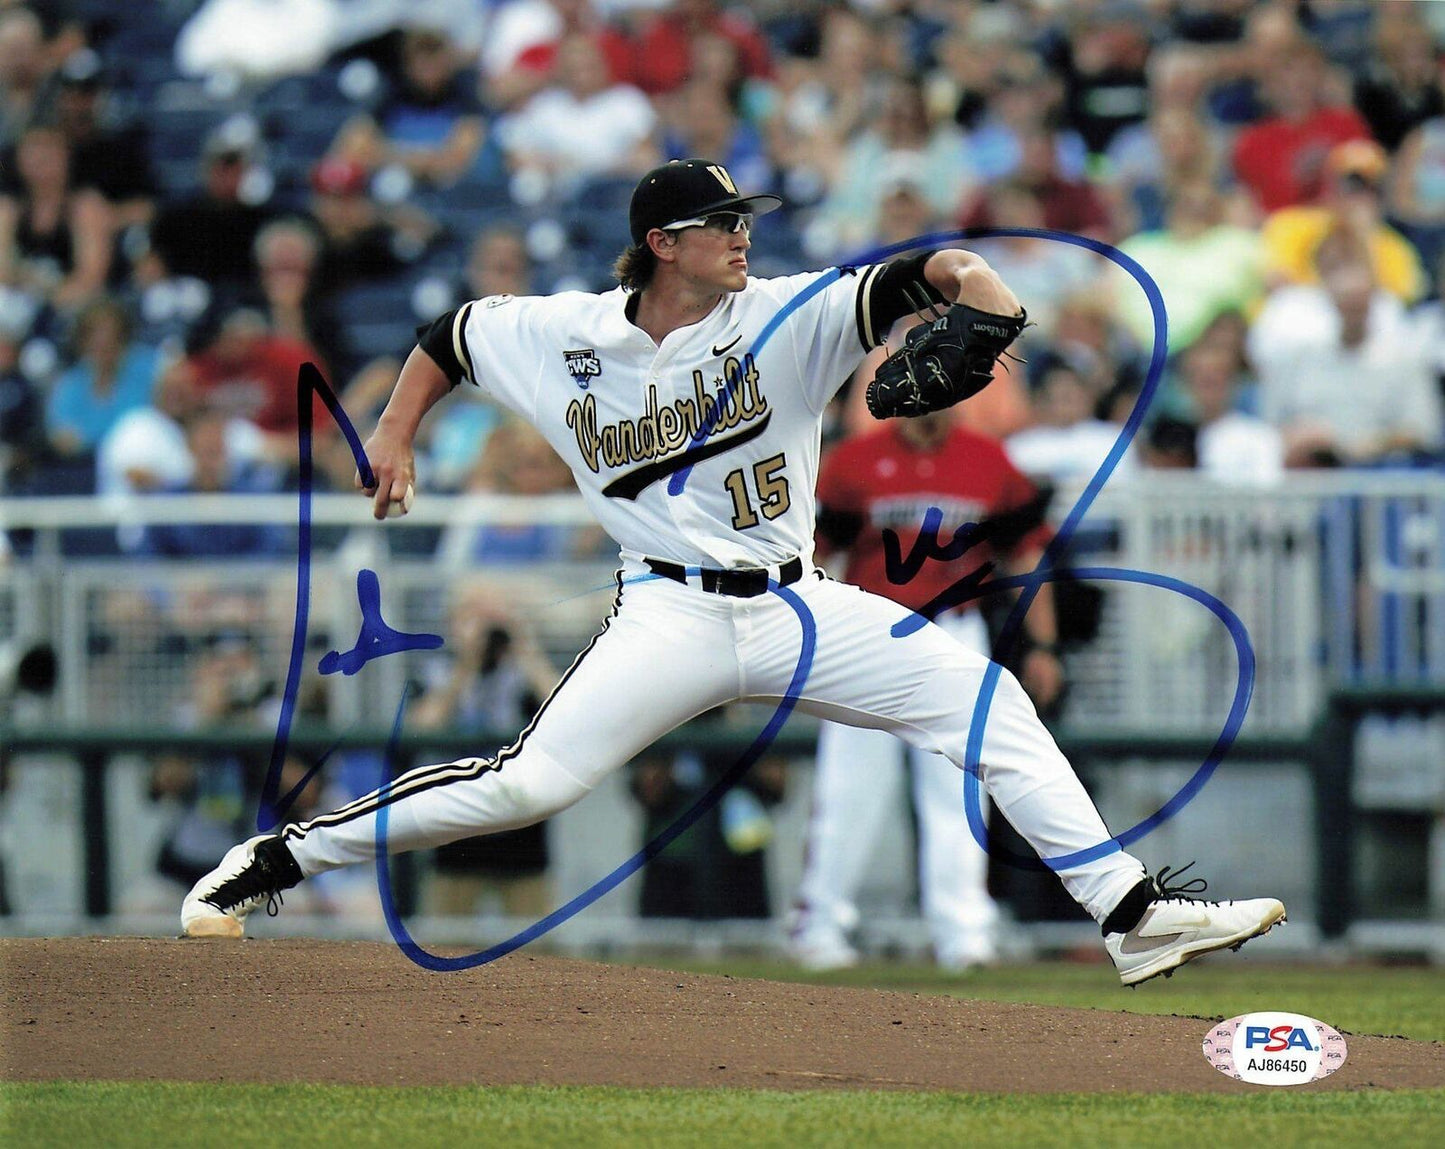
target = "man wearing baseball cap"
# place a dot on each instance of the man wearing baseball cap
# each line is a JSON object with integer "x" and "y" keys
{"x": 669, "y": 199}
{"x": 361, "y": 239}
{"x": 1351, "y": 203}
{"x": 210, "y": 234}
{"x": 107, "y": 153}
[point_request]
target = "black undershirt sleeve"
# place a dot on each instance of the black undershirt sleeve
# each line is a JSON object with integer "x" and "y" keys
{"x": 883, "y": 293}
{"x": 840, "y": 528}
{"x": 1005, "y": 530}
{"x": 444, "y": 340}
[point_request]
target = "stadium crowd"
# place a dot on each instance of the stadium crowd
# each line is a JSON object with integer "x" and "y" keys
{"x": 199, "y": 196}
{"x": 195, "y": 198}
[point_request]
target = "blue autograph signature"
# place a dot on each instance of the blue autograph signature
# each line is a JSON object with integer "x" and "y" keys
{"x": 377, "y": 639}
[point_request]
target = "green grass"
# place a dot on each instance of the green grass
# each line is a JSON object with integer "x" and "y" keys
{"x": 161, "y": 1114}
{"x": 1398, "y": 1001}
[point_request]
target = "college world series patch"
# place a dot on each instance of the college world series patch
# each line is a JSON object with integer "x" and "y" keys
{"x": 583, "y": 365}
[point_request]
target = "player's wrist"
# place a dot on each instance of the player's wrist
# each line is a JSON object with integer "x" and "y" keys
{"x": 396, "y": 427}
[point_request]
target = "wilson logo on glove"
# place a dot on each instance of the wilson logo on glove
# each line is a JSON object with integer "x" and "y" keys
{"x": 942, "y": 363}
{"x": 993, "y": 329}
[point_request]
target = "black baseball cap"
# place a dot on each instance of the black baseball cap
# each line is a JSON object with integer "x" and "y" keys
{"x": 687, "y": 189}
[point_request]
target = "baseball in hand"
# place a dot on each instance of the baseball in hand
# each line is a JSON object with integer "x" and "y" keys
{"x": 401, "y": 508}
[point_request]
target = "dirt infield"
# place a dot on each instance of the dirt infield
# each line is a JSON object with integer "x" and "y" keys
{"x": 282, "y": 1011}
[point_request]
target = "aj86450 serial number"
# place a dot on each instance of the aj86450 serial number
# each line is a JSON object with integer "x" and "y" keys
{"x": 1277, "y": 1065}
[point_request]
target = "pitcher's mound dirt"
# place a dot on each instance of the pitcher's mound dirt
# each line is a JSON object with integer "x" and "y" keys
{"x": 275, "y": 1011}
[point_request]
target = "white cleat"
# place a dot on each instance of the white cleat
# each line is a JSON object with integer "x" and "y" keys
{"x": 822, "y": 954}
{"x": 1176, "y": 928}
{"x": 249, "y": 876}
{"x": 967, "y": 958}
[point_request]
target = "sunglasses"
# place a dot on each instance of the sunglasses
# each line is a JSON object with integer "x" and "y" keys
{"x": 1355, "y": 182}
{"x": 720, "y": 222}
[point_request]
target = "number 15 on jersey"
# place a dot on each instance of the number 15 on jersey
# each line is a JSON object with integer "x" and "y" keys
{"x": 772, "y": 492}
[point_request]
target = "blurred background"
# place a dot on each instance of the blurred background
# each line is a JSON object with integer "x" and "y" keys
{"x": 198, "y": 197}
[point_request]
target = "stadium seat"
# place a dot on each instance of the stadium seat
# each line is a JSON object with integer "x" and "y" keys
{"x": 71, "y": 477}
{"x": 286, "y": 95}
{"x": 371, "y": 340}
{"x": 177, "y": 178}
{"x": 381, "y": 301}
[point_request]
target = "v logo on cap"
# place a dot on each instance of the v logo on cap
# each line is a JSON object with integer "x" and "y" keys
{"x": 723, "y": 178}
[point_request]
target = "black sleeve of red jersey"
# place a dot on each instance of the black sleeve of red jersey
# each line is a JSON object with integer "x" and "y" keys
{"x": 883, "y": 296}
{"x": 444, "y": 339}
{"x": 1005, "y": 530}
{"x": 840, "y": 528}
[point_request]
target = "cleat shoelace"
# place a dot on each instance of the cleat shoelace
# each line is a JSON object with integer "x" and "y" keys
{"x": 255, "y": 881}
{"x": 1183, "y": 891}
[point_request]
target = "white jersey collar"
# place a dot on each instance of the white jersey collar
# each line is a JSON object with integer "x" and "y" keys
{"x": 619, "y": 326}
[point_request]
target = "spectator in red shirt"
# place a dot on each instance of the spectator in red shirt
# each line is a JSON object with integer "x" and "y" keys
{"x": 1281, "y": 159}
{"x": 251, "y": 373}
{"x": 1067, "y": 205}
{"x": 889, "y": 479}
{"x": 663, "y": 62}
{"x": 520, "y": 55}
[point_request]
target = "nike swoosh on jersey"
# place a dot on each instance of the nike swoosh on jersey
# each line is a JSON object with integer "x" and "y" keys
{"x": 632, "y": 484}
{"x": 716, "y": 350}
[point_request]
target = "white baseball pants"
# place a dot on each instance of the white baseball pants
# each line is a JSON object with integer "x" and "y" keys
{"x": 671, "y": 651}
{"x": 857, "y": 786}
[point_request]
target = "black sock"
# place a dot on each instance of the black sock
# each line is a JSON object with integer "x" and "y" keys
{"x": 283, "y": 866}
{"x": 1127, "y": 913}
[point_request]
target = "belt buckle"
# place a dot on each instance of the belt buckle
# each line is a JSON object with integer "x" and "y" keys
{"x": 748, "y": 583}
{"x": 735, "y": 583}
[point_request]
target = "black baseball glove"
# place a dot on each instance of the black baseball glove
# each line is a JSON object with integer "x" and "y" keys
{"x": 942, "y": 363}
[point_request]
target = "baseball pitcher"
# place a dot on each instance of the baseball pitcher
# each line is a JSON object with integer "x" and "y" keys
{"x": 696, "y": 445}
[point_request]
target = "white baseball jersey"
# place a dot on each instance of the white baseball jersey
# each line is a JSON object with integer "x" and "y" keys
{"x": 625, "y": 412}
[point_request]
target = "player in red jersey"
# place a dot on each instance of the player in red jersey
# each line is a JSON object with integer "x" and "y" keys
{"x": 886, "y": 480}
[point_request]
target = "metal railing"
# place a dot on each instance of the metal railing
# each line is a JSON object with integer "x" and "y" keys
{"x": 1339, "y": 579}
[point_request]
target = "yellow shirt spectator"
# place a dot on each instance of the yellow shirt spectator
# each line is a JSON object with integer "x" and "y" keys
{"x": 1292, "y": 235}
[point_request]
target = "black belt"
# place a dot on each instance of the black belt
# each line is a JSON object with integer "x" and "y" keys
{"x": 735, "y": 583}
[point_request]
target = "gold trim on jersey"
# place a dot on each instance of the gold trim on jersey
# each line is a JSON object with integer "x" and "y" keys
{"x": 865, "y": 307}
{"x": 459, "y": 341}
{"x": 664, "y": 428}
